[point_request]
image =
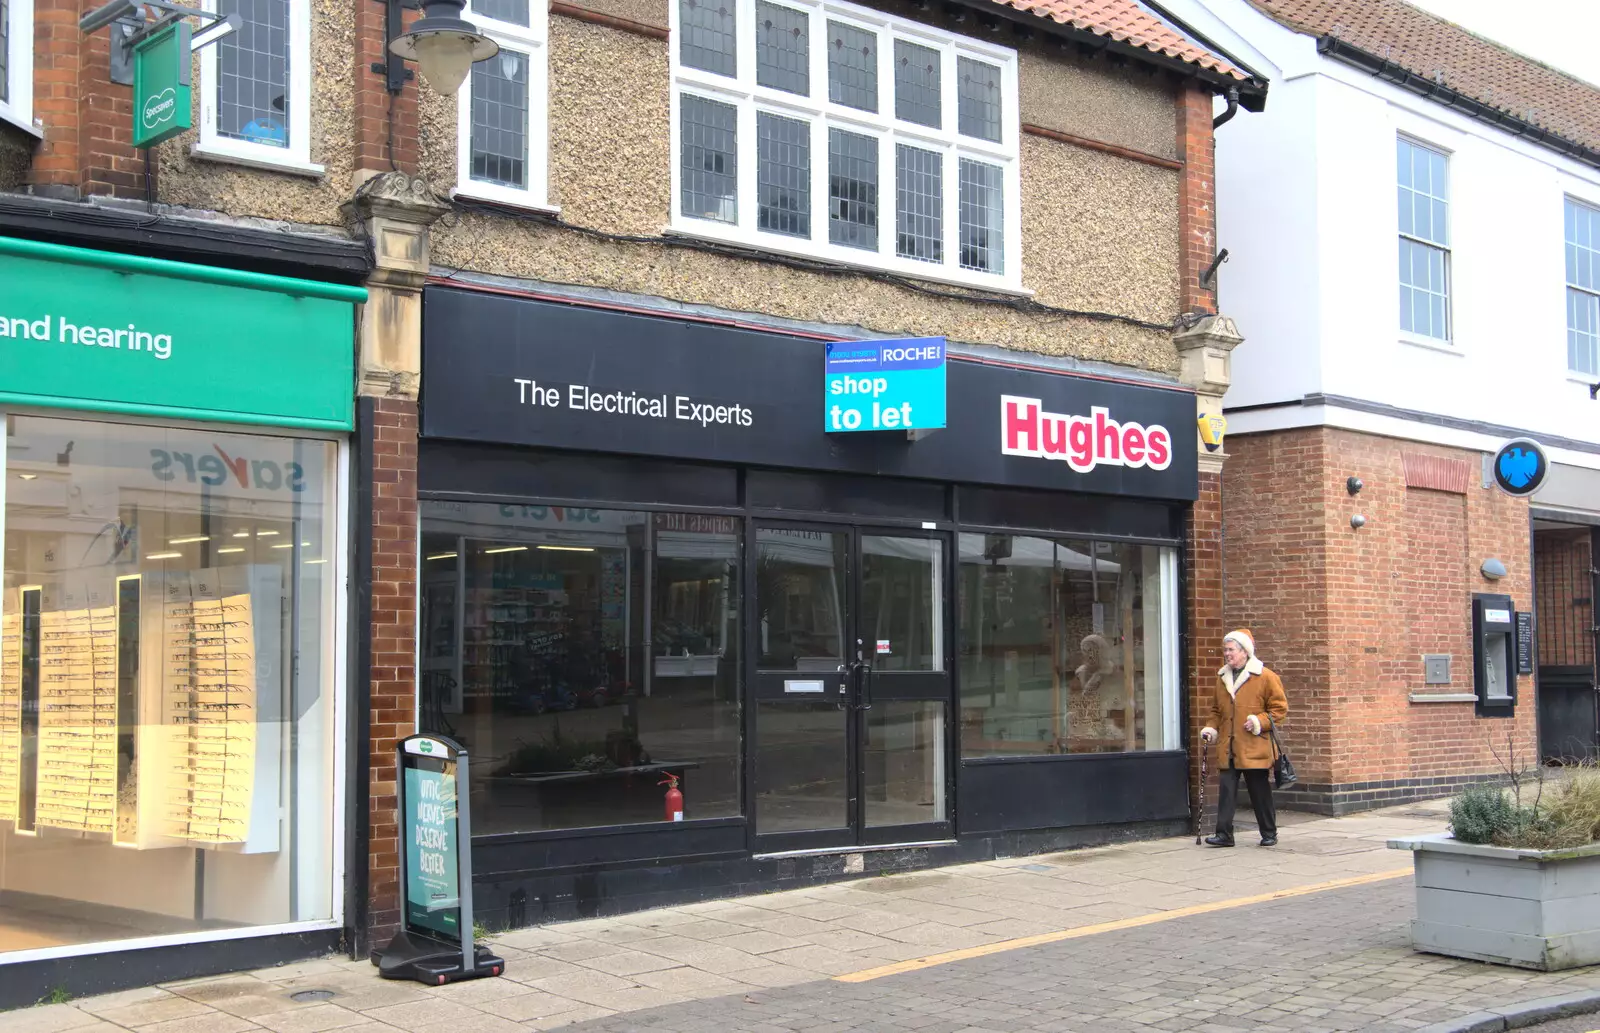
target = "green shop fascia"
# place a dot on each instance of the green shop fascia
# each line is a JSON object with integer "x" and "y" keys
{"x": 119, "y": 333}
{"x": 171, "y": 618}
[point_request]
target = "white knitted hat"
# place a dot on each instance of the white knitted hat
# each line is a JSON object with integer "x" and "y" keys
{"x": 1245, "y": 640}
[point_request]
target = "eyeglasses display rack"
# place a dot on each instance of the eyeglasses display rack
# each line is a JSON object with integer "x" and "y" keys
{"x": 10, "y": 711}
{"x": 158, "y": 703}
{"x": 77, "y": 766}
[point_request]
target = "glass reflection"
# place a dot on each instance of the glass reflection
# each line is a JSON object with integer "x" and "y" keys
{"x": 1063, "y": 647}
{"x": 582, "y": 655}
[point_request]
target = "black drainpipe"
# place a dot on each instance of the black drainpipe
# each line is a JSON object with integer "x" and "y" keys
{"x": 1233, "y": 109}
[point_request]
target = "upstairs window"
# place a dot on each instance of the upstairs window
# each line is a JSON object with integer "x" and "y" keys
{"x": 1424, "y": 196}
{"x": 16, "y": 61}
{"x": 256, "y": 85}
{"x": 836, "y": 132}
{"x": 1583, "y": 288}
{"x": 502, "y": 107}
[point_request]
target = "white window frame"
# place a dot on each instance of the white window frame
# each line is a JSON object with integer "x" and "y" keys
{"x": 1446, "y": 249}
{"x": 532, "y": 42}
{"x": 743, "y": 92}
{"x": 18, "y": 109}
{"x": 297, "y": 156}
{"x": 1592, "y": 291}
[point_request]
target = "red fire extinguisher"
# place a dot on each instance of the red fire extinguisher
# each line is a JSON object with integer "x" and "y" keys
{"x": 674, "y": 797}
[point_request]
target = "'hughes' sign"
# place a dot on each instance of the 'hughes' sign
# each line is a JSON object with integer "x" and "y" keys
{"x": 516, "y": 371}
{"x": 1082, "y": 442}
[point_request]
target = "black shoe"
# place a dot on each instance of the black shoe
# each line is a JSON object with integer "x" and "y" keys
{"x": 1219, "y": 840}
{"x": 1269, "y": 840}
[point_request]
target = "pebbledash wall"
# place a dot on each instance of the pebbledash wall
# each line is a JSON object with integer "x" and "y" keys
{"x": 1345, "y": 615}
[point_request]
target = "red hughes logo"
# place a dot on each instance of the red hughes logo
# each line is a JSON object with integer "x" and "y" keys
{"x": 1083, "y": 442}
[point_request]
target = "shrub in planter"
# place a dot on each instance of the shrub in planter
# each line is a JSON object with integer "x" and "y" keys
{"x": 1566, "y": 817}
{"x": 1481, "y": 814}
{"x": 1517, "y": 882}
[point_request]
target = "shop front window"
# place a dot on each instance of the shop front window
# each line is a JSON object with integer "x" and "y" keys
{"x": 167, "y": 682}
{"x": 582, "y": 656}
{"x": 1068, "y": 646}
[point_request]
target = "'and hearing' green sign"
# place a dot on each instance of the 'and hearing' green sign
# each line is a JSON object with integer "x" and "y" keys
{"x": 161, "y": 71}
{"x": 119, "y": 333}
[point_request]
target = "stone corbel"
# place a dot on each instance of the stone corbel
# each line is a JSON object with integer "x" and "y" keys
{"x": 1205, "y": 357}
{"x": 394, "y": 212}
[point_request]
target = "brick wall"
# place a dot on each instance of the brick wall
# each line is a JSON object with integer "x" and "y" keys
{"x": 1344, "y": 615}
{"x": 394, "y": 593}
{"x": 1276, "y": 577}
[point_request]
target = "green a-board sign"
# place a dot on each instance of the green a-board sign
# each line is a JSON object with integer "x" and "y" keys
{"x": 162, "y": 67}
{"x": 94, "y": 330}
{"x": 436, "y": 942}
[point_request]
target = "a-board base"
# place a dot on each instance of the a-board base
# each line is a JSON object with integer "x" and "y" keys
{"x": 435, "y": 962}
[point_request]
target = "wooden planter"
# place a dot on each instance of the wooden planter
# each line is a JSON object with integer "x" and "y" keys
{"x": 1536, "y": 909}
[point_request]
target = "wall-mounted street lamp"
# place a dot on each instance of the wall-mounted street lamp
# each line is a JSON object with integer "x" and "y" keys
{"x": 442, "y": 43}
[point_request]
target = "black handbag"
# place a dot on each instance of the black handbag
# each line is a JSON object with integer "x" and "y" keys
{"x": 1282, "y": 770}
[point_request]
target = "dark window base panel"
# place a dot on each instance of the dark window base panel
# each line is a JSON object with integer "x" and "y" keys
{"x": 26, "y": 983}
{"x": 1351, "y": 797}
{"x": 514, "y": 901}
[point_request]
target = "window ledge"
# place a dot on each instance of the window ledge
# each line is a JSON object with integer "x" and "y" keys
{"x": 1444, "y": 697}
{"x": 286, "y": 165}
{"x": 1586, "y": 379}
{"x": 505, "y": 199}
{"x": 11, "y": 118}
{"x": 1430, "y": 343}
{"x": 738, "y": 240}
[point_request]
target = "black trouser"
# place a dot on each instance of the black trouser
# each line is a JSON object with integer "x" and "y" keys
{"x": 1260, "y": 783}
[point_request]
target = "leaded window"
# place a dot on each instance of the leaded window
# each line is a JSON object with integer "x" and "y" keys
{"x": 255, "y": 85}
{"x": 502, "y": 107}
{"x": 254, "y": 64}
{"x": 889, "y": 123}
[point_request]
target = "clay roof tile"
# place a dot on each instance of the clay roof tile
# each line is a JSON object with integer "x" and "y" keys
{"x": 1124, "y": 21}
{"x": 1428, "y": 46}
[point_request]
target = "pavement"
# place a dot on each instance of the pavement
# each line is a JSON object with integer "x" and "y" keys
{"x": 1310, "y": 936}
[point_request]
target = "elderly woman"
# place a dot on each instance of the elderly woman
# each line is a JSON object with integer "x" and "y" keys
{"x": 1247, "y": 703}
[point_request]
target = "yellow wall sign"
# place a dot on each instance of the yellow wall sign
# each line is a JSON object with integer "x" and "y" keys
{"x": 1212, "y": 431}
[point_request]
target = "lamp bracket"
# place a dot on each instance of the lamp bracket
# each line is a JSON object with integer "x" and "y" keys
{"x": 393, "y": 67}
{"x": 132, "y": 26}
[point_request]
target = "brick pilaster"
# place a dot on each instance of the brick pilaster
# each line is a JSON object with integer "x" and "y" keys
{"x": 1197, "y": 197}
{"x": 373, "y": 102}
{"x": 88, "y": 120}
{"x": 56, "y": 46}
{"x": 393, "y": 630}
{"x": 1203, "y": 619}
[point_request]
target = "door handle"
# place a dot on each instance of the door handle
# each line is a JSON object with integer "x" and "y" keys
{"x": 866, "y": 688}
{"x": 845, "y": 670}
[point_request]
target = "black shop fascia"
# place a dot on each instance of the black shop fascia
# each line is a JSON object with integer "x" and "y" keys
{"x": 650, "y": 563}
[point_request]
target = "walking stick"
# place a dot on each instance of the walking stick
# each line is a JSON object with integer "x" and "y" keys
{"x": 1200, "y": 812}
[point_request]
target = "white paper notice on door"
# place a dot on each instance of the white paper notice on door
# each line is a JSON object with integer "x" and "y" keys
{"x": 883, "y": 646}
{"x": 792, "y": 685}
